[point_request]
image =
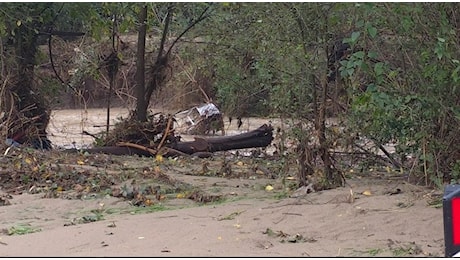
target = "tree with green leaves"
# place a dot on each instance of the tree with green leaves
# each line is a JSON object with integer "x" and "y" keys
{"x": 403, "y": 84}
{"x": 270, "y": 59}
{"x": 22, "y": 26}
{"x": 387, "y": 70}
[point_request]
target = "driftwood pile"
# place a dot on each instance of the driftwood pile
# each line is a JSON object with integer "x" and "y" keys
{"x": 157, "y": 136}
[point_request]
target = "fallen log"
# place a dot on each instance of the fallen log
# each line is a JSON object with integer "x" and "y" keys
{"x": 260, "y": 137}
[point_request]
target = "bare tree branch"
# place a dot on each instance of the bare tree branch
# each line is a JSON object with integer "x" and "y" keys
{"x": 200, "y": 18}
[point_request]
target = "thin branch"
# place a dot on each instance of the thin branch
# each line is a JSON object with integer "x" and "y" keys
{"x": 137, "y": 146}
{"x": 50, "y": 53}
{"x": 165, "y": 32}
{"x": 200, "y": 18}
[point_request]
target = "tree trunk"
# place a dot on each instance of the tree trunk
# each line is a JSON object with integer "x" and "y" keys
{"x": 260, "y": 137}
{"x": 321, "y": 130}
{"x": 141, "y": 104}
{"x": 30, "y": 116}
{"x": 160, "y": 69}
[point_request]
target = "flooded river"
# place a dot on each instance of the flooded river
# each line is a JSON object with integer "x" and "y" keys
{"x": 66, "y": 126}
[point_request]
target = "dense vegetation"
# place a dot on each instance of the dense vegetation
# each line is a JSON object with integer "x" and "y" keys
{"x": 389, "y": 71}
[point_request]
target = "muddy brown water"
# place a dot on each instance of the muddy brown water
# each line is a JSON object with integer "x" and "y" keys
{"x": 66, "y": 126}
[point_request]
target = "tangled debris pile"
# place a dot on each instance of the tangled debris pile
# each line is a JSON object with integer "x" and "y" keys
{"x": 143, "y": 133}
{"x": 79, "y": 176}
{"x": 157, "y": 136}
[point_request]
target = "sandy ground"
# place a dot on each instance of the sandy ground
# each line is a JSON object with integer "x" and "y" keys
{"x": 319, "y": 224}
{"x": 385, "y": 216}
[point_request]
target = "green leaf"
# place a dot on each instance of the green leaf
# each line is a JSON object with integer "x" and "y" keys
{"x": 438, "y": 50}
{"x": 455, "y": 76}
{"x": 372, "y": 54}
{"x": 350, "y": 71}
{"x": 392, "y": 74}
{"x": 355, "y": 36}
{"x": 346, "y": 40}
{"x": 371, "y": 87}
{"x": 378, "y": 68}
{"x": 372, "y": 31}
{"x": 359, "y": 54}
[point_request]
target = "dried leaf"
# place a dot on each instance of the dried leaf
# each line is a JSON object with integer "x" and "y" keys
{"x": 367, "y": 193}
{"x": 159, "y": 158}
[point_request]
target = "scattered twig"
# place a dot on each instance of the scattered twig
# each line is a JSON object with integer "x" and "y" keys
{"x": 174, "y": 151}
{"x": 372, "y": 154}
{"x": 137, "y": 146}
{"x": 231, "y": 215}
{"x": 392, "y": 160}
{"x": 292, "y": 214}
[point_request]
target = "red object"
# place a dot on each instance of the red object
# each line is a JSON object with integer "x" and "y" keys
{"x": 456, "y": 221}
{"x": 18, "y": 137}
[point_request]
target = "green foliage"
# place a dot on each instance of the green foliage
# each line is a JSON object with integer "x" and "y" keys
{"x": 410, "y": 95}
{"x": 22, "y": 229}
{"x": 455, "y": 173}
{"x": 400, "y": 76}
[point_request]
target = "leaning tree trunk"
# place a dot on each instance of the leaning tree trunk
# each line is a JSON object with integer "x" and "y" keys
{"x": 158, "y": 72}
